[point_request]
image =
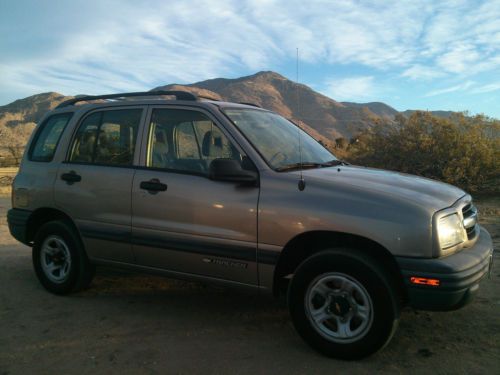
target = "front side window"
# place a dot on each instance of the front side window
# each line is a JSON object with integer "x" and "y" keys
{"x": 183, "y": 140}
{"x": 107, "y": 138}
{"x": 48, "y": 136}
{"x": 187, "y": 145}
{"x": 277, "y": 139}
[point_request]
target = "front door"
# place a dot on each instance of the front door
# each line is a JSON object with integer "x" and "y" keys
{"x": 93, "y": 185}
{"x": 181, "y": 220}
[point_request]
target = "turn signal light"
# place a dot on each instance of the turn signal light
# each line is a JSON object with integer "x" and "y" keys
{"x": 424, "y": 281}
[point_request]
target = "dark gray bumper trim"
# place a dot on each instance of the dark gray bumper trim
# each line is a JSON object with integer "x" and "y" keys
{"x": 17, "y": 220}
{"x": 239, "y": 252}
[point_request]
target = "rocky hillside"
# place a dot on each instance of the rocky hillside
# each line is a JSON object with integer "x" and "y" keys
{"x": 30, "y": 109}
{"x": 324, "y": 118}
{"x": 320, "y": 115}
{"x": 380, "y": 109}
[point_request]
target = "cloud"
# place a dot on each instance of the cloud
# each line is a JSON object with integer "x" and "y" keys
{"x": 461, "y": 87}
{"x": 487, "y": 88}
{"x": 459, "y": 59}
{"x": 125, "y": 45}
{"x": 351, "y": 88}
{"x": 138, "y": 49}
{"x": 377, "y": 35}
{"x": 462, "y": 37}
{"x": 421, "y": 72}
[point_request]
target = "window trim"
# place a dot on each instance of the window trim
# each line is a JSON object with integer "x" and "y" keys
{"x": 176, "y": 171}
{"x": 101, "y": 110}
{"x": 226, "y": 116}
{"x": 38, "y": 133}
{"x": 147, "y": 136}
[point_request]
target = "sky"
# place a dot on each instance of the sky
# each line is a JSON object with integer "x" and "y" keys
{"x": 431, "y": 55}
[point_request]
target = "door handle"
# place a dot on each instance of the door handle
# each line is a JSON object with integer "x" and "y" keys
{"x": 153, "y": 186}
{"x": 71, "y": 177}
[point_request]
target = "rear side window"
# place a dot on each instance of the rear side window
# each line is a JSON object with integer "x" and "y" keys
{"x": 47, "y": 137}
{"x": 107, "y": 138}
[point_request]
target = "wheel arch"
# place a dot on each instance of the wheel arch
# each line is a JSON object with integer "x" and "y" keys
{"x": 306, "y": 244}
{"x": 43, "y": 215}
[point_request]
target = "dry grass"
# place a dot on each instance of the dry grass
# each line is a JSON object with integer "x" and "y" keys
{"x": 5, "y": 191}
{"x": 8, "y": 171}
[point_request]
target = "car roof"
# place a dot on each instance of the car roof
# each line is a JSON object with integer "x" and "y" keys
{"x": 146, "y": 98}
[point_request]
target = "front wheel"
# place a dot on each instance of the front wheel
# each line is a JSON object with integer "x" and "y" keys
{"x": 343, "y": 304}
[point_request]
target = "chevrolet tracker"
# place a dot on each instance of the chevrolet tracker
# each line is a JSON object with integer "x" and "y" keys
{"x": 235, "y": 194}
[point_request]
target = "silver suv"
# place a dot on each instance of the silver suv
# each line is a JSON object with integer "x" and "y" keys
{"x": 235, "y": 194}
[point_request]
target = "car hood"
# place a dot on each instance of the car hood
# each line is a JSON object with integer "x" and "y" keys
{"x": 422, "y": 191}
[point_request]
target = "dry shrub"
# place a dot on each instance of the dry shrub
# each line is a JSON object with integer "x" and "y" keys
{"x": 13, "y": 140}
{"x": 461, "y": 150}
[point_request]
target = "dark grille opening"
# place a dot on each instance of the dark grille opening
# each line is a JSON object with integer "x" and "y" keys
{"x": 467, "y": 210}
{"x": 471, "y": 232}
{"x": 470, "y": 211}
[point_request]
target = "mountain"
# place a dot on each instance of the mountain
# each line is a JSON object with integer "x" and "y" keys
{"x": 29, "y": 111}
{"x": 380, "y": 109}
{"x": 321, "y": 116}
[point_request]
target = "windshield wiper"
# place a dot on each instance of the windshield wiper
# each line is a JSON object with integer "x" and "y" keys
{"x": 334, "y": 163}
{"x": 309, "y": 165}
{"x": 297, "y": 166}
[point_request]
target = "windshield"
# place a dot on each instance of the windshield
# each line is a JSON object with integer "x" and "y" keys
{"x": 277, "y": 140}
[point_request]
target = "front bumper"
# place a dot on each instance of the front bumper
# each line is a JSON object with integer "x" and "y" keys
{"x": 459, "y": 275}
{"x": 18, "y": 224}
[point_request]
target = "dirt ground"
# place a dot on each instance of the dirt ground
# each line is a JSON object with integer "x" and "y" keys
{"x": 131, "y": 323}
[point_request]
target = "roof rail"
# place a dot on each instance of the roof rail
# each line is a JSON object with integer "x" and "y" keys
{"x": 252, "y": 104}
{"x": 179, "y": 95}
{"x": 208, "y": 97}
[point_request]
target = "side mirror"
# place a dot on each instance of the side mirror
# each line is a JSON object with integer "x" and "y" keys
{"x": 230, "y": 170}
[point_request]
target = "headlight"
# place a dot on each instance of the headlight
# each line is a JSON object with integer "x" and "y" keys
{"x": 450, "y": 231}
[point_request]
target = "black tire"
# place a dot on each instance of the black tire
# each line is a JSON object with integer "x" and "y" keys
{"x": 354, "y": 268}
{"x": 78, "y": 271}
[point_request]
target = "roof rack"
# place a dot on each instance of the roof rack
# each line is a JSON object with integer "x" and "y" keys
{"x": 179, "y": 95}
{"x": 252, "y": 104}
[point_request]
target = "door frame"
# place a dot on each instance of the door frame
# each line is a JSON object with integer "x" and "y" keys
{"x": 138, "y": 142}
{"x": 146, "y": 132}
{"x": 66, "y": 164}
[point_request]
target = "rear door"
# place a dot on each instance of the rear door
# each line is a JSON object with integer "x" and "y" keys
{"x": 183, "y": 221}
{"x": 93, "y": 185}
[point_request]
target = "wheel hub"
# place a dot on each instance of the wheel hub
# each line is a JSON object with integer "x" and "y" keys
{"x": 58, "y": 258}
{"x": 339, "y": 306}
{"x": 55, "y": 259}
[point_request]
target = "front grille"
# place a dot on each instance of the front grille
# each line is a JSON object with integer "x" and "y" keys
{"x": 469, "y": 213}
{"x": 471, "y": 233}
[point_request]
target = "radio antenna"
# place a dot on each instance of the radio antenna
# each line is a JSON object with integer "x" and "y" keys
{"x": 302, "y": 183}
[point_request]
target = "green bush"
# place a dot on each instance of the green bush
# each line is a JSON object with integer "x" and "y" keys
{"x": 461, "y": 150}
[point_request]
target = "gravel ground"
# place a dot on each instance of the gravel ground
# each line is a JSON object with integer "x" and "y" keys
{"x": 130, "y": 323}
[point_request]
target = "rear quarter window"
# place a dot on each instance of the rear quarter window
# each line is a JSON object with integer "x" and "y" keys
{"x": 47, "y": 137}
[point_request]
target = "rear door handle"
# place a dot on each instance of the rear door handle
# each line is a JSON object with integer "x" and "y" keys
{"x": 153, "y": 186}
{"x": 71, "y": 177}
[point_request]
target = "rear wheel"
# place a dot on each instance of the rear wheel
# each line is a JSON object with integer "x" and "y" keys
{"x": 59, "y": 259}
{"x": 343, "y": 304}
